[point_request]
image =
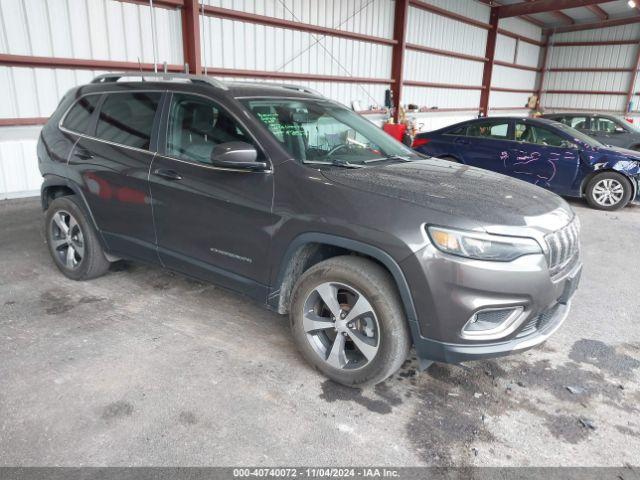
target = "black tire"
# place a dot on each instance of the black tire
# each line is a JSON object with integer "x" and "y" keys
{"x": 379, "y": 289}
{"x": 92, "y": 263}
{"x": 617, "y": 181}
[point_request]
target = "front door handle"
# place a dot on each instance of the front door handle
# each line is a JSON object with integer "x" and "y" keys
{"x": 168, "y": 174}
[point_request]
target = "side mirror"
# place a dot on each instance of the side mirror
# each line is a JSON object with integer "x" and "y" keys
{"x": 238, "y": 155}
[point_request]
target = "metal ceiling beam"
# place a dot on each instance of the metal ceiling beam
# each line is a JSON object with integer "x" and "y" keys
{"x": 526, "y": 18}
{"x": 542, "y": 6}
{"x": 599, "y": 12}
{"x": 563, "y": 17}
{"x": 604, "y": 24}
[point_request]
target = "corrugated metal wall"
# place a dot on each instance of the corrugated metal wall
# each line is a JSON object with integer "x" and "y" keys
{"x": 431, "y": 30}
{"x": 87, "y": 29}
{"x": 519, "y": 52}
{"x": 114, "y": 30}
{"x": 590, "y": 56}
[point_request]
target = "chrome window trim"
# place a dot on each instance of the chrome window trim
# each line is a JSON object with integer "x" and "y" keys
{"x": 66, "y": 112}
{"x": 90, "y": 137}
{"x": 213, "y": 167}
{"x": 64, "y": 129}
{"x": 236, "y": 118}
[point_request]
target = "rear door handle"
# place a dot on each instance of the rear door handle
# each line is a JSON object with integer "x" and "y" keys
{"x": 463, "y": 141}
{"x": 168, "y": 174}
{"x": 83, "y": 154}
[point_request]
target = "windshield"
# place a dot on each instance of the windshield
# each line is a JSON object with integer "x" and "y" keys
{"x": 323, "y": 132}
{"x": 592, "y": 142}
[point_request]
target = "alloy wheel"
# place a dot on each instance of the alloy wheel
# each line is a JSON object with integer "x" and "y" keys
{"x": 67, "y": 239}
{"x": 341, "y": 326}
{"x": 608, "y": 192}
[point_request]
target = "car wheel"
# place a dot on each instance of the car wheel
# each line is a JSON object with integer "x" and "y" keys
{"x": 72, "y": 240}
{"x": 608, "y": 191}
{"x": 348, "y": 322}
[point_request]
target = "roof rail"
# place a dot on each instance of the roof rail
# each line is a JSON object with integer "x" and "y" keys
{"x": 161, "y": 76}
{"x": 301, "y": 89}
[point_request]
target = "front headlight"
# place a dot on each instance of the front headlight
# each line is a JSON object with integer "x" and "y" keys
{"x": 482, "y": 246}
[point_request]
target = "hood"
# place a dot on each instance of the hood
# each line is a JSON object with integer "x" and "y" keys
{"x": 484, "y": 197}
{"x": 630, "y": 154}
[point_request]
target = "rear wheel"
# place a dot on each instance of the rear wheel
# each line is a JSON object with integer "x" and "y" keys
{"x": 72, "y": 240}
{"x": 608, "y": 191}
{"x": 348, "y": 322}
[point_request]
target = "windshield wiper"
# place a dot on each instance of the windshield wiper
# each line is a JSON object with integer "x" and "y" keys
{"x": 336, "y": 162}
{"x": 389, "y": 157}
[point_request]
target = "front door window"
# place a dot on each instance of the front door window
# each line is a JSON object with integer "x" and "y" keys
{"x": 197, "y": 125}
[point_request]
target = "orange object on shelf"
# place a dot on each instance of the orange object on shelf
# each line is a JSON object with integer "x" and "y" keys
{"x": 396, "y": 130}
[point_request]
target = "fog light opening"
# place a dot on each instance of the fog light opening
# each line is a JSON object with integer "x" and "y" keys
{"x": 492, "y": 323}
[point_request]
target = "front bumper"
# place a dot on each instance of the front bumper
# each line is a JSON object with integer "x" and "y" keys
{"x": 457, "y": 288}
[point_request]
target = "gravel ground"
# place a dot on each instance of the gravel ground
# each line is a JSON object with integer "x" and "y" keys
{"x": 144, "y": 367}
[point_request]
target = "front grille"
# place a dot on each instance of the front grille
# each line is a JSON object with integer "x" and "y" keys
{"x": 563, "y": 247}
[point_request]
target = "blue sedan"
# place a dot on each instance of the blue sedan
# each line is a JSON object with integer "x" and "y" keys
{"x": 544, "y": 152}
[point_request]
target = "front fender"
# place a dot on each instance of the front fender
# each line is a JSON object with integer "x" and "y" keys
{"x": 349, "y": 244}
{"x": 629, "y": 168}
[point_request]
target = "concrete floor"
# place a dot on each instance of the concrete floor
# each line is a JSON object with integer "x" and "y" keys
{"x": 143, "y": 367}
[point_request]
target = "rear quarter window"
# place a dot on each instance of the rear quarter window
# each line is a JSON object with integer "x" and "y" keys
{"x": 77, "y": 119}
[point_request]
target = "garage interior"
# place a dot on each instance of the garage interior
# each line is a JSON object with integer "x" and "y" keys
{"x": 145, "y": 367}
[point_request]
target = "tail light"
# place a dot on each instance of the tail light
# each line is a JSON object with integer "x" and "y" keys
{"x": 629, "y": 119}
{"x": 420, "y": 142}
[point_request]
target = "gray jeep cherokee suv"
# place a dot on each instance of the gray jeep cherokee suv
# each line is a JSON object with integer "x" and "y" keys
{"x": 303, "y": 205}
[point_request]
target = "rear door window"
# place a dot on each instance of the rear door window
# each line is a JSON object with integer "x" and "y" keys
{"x": 603, "y": 125}
{"x": 574, "y": 122}
{"x": 491, "y": 130}
{"x": 127, "y": 118}
{"x": 79, "y": 116}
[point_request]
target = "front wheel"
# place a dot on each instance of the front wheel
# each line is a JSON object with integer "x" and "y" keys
{"x": 348, "y": 322}
{"x": 609, "y": 191}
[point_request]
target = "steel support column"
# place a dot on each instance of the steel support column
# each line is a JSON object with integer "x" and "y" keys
{"x": 632, "y": 82}
{"x": 490, "y": 53}
{"x": 397, "y": 56}
{"x": 191, "y": 36}
{"x": 543, "y": 69}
